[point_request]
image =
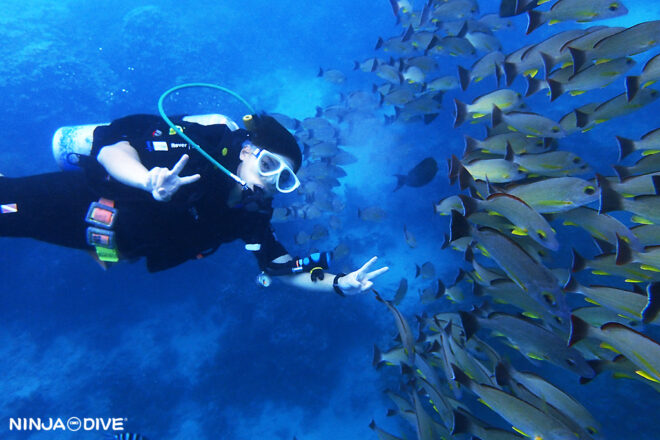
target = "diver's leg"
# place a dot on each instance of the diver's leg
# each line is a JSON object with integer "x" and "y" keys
{"x": 48, "y": 207}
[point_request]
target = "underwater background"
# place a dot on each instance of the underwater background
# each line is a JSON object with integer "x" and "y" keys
{"x": 201, "y": 351}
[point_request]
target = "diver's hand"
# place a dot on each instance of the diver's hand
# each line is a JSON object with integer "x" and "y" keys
{"x": 360, "y": 280}
{"x": 163, "y": 183}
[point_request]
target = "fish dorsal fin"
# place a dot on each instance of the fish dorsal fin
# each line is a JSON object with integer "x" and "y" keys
{"x": 509, "y": 152}
{"x": 501, "y": 194}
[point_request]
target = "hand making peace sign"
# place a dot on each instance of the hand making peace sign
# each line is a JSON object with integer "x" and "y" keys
{"x": 360, "y": 280}
{"x": 163, "y": 183}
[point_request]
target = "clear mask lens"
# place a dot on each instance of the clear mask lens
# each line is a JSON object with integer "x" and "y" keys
{"x": 287, "y": 180}
{"x": 271, "y": 165}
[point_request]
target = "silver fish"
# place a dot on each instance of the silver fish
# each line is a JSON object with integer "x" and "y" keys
{"x": 583, "y": 11}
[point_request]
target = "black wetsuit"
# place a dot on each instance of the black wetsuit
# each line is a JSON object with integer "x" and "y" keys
{"x": 52, "y": 207}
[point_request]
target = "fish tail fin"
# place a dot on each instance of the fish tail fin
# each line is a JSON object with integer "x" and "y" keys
{"x": 579, "y": 330}
{"x": 502, "y": 373}
{"x": 407, "y": 35}
{"x": 428, "y": 118}
{"x": 445, "y": 243}
{"x": 623, "y": 251}
{"x": 464, "y": 77}
{"x": 605, "y": 246}
{"x": 632, "y": 87}
{"x": 622, "y": 172}
{"x": 610, "y": 200}
{"x": 455, "y": 166}
{"x": 378, "y": 357}
{"x": 469, "y": 204}
{"x": 395, "y": 7}
{"x": 418, "y": 270}
{"x": 496, "y": 116}
{"x": 626, "y": 146}
{"x": 434, "y": 42}
{"x": 650, "y": 311}
{"x": 458, "y": 226}
{"x": 535, "y": 19}
{"x": 548, "y": 63}
{"x": 556, "y": 90}
{"x": 533, "y": 86}
{"x": 441, "y": 289}
{"x": 463, "y": 31}
{"x": 424, "y": 16}
{"x": 400, "y": 181}
{"x": 461, "y": 112}
{"x": 379, "y": 43}
{"x": 582, "y": 118}
{"x": 465, "y": 179}
{"x": 471, "y": 145}
{"x": 579, "y": 59}
{"x": 549, "y": 143}
{"x": 469, "y": 255}
{"x": 498, "y": 75}
{"x": 478, "y": 290}
{"x": 508, "y": 8}
{"x": 461, "y": 424}
{"x": 320, "y": 72}
{"x": 571, "y": 285}
{"x": 598, "y": 365}
{"x": 469, "y": 323}
{"x": 656, "y": 184}
{"x": 578, "y": 262}
{"x": 356, "y": 65}
{"x": 510, "y": 72}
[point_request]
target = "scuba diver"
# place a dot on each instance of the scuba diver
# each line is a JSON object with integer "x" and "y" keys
{"x": 143, "y": 191}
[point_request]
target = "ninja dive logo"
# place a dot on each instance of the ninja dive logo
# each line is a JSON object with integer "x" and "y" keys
{"x": 70, "y": 424}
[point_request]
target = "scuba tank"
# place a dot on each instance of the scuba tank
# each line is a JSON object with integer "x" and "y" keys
{"x": 69, "y": 143}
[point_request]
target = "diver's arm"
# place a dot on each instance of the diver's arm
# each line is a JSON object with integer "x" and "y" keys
{"x": 122, "y": 162}
{"x": 353, "y": 283}
{"x": 304, "y": 281}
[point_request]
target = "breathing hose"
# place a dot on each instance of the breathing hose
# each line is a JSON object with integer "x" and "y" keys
{"x": 190, "y": 141}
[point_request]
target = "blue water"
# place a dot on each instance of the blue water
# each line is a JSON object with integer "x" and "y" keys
{"x": 200, "y": 351}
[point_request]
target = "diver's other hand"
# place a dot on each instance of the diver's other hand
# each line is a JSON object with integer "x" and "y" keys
{"x": 163, "y": 183}
{"x": 360, "y": 280}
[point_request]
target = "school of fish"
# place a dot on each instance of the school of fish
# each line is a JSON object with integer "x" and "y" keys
{"x": 514, "y": 189}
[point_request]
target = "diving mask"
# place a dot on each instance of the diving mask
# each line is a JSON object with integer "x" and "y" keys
{"x": 273, "y": 167}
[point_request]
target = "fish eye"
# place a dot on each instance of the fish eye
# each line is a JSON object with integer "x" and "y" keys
{"x": 591, "y": 430}
{"x": 549, "y": 299}
{"x": 555, "y": 129}
{"x": 542, "y": 235}
{"x": 577, "y": 160}
{"x": 614, "y": 7}
{"x": 589, "y": 190}
{"x": 570, "y": 362}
